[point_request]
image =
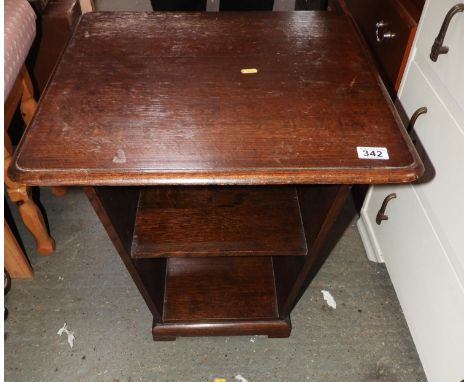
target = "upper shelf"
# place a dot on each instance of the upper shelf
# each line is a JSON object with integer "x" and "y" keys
{"x": 218, "y": 221}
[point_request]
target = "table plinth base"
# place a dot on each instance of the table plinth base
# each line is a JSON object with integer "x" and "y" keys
{"x": 271, "y": 328}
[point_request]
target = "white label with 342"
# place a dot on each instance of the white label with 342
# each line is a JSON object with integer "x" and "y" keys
{"x": 372, "y": 153}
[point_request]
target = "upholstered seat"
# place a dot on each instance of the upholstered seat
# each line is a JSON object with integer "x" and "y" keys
{"x": 20, "y": 30}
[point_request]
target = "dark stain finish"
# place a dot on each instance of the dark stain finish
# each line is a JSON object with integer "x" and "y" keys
{"x": 152, "y": 273}
{"x": 218, "y": 221}
{"x": 160, "y": 99}
{"x": 273, "y": 328}
{"x": 399, "y": 20}
{"x": 221, "y": 288}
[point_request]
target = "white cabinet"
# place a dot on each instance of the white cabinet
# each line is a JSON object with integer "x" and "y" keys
{"x": 448, "y": 69}
{"x": 441, "y": 138}
{"x": 427, "y": 287}
{"x": 422, "y": 240}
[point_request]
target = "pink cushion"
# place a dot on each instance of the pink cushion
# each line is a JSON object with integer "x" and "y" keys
{"x": 20, "y": 30}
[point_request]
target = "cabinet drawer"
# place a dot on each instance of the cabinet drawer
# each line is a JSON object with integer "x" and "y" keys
{"x": 440, "y": 140}
{"x": 427, "y": 288}
{"x": 390, "y": 52}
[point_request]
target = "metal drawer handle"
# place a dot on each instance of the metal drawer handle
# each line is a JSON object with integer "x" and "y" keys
{"x": 416, "y": 114}
{"x": 381, "y": 214}
{"x": 437, "y": 47}
{"x": 386, "y": 35}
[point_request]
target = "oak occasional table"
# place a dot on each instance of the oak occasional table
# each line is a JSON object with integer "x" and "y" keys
{"x": 218, "y": 186}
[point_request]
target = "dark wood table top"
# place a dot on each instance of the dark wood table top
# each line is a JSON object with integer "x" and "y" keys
{"x": 159, "y": 98}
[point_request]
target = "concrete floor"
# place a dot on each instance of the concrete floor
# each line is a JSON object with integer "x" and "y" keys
{"x": 85, "y": 284}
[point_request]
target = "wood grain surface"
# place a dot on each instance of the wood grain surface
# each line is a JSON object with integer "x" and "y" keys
{"x": 218, "y": 221}
{"x": 221, "y": 288}
{"x": 159, "y": 98}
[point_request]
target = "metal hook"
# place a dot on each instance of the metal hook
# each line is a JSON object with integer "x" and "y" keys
{"x": 381, "y": 214}
{"x": 416, "y": 114}
{"x": 437, "y": 47}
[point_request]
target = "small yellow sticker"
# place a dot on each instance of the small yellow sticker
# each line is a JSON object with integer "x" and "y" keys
{"x": 249, "y": 71}
{"x": 219, "y": 380}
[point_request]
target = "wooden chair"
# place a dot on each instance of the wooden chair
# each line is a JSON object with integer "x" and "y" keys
{"x": 19, "y": 35}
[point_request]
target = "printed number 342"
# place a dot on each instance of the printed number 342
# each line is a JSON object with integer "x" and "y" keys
{"x": 373, "y": 153}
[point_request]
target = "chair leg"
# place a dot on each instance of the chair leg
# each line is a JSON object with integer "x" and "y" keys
{"x": 19, "y": 193}
{"x": 29, "y": 211}
{"x": 16, "y": 262}
{"x": 28, "y": 104}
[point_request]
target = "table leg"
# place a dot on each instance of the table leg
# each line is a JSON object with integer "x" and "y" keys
{"x": 30, "y": 213}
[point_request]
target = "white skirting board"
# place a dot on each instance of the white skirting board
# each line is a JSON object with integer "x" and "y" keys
{"x": 366, "y": 232}
{"x": 369, "y": 242}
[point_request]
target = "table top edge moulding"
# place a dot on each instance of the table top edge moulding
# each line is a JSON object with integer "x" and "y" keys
{"x": 147, "y": 108}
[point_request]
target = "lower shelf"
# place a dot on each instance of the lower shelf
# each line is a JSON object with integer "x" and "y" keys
{"x": 219, "y": 288}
